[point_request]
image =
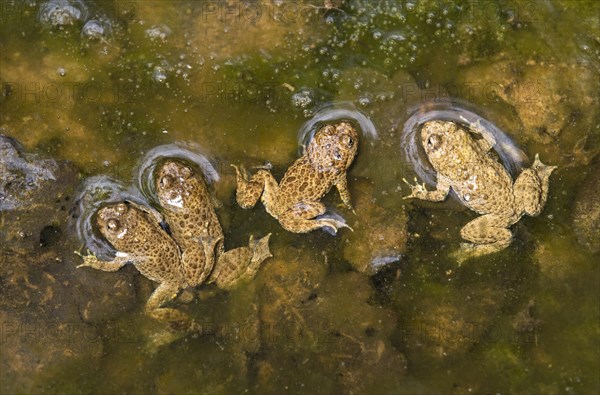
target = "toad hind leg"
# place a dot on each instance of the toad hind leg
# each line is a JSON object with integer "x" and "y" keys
{"x": 488, "y": 233}
{"x": 199, "y": 259}
{"x": 299, "y": 218}
{"x": 163, "y": 294}
{"x": 531, "y": 187}
{"x": 248, "y": 192}
{"x": 240, "y": 263}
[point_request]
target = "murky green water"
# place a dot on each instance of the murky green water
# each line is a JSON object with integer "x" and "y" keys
{"x": 99, "y": 84}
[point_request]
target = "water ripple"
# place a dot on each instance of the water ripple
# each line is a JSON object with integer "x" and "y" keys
{"x": 94, "y": 193}
{"x": 189, "y": 152}
{"x": 510, "y": 154}
{"x": 334, "y": 112}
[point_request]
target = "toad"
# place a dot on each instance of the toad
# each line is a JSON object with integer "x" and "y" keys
{"x": 295, "y": 201}
{"x": 465, "y": 164}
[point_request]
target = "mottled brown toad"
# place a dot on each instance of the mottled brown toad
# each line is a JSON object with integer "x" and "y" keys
{"x": 466, "y": 165}
{"x": 192, "y": 254}
{"x": 295, "y": 201}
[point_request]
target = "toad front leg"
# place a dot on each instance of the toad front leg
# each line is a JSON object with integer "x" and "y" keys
{"x": 488, "y": 233}
{"x": 420, "y": 192}
{"x": 90, "y": 260}
{"x": 248, "y": 192}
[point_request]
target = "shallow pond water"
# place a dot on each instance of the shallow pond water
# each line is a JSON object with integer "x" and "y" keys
{"x": 95, "y": 91}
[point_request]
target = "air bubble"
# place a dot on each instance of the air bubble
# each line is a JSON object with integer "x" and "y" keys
{"x": 95, "y": 29}
{"x": 159, "y": 74}
{"x": 62, "y": 12}
{"x": 158, "y": 32}
{"x": 364, "y": 101}
{"x": 302, "y": 99}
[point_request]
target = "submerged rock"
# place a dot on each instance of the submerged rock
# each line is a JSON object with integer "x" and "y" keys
{"x": 447, "y": 325}
{"x": 41, "y": 324}
{"x": 586, "y": 215}
{"x": 35, "y": 197}
{"x": 554, "y": 102}
{"x": 312, "y": 322}
{"x": 380, "y": 233}
{"x": 22, "y": 176}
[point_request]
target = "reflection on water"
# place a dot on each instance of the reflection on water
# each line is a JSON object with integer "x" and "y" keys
{"x": 511, "y": 156}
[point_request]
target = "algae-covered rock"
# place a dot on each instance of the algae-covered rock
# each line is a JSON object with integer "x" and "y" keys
{"x": 586, "y": 214}
{"x": 313, "y": 323}
{"x": 554, "y": 102}
{"x": 29, "y": 183}
{"x": 360, "y": 352}
{"x": 559, "y": 258}
{"x": 380, "y": 233}
{"x": 288, "y": 289}
{"x": 447, "y": 324}
{"x": 216, "y": 367}
{"x": 39, "y": 313}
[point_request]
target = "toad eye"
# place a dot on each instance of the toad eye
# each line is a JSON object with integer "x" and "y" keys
{"x": 434, "y": 141}
{"x": 121, "y": 208}
{"x": 166, "y": 181}
{"x": 348, "y": 141}
{"x": 113, "y": 225}
{"x": 186, "y": 172}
